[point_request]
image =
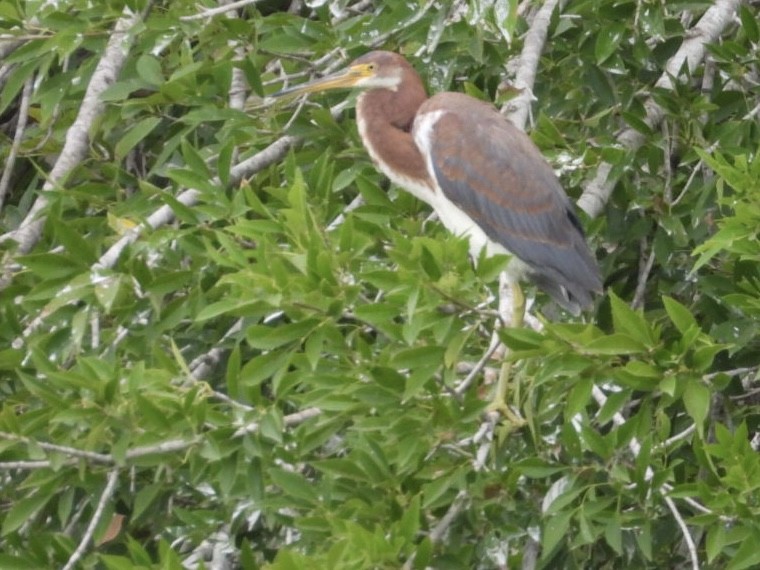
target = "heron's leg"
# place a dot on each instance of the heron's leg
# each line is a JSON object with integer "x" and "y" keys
{"x": 499, "y": 401}
{"x": 518, "y": 305}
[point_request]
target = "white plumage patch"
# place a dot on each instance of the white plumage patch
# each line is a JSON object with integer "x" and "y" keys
{"x": 391, "y": 82}
{"x": 414, "y": 187}
{"x": 454, "y": 219}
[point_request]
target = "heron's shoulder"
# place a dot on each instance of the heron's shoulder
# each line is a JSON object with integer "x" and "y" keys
{"x": 457, "y": 103}
{"x": 465, "y": 111}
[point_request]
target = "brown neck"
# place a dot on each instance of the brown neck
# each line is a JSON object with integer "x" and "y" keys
{"x": 387, "y": 118}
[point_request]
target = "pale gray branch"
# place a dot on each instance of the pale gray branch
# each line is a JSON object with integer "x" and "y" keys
{"x": 161, "y": 448}
{"x": 692, "y": 548}
{"x": 70, "y": 451}
{"x": 113, "y": 478}
{"x": 165, "y": 215}
{"x": 517, "y": 110}
{"x": 456, "y": 507}
{"x": 211, "y": 12}
{"x": 289, "y": 420}
{"x": 18, "y": 135}
{"x": 646, "y": 262}
{"x": 77, "y": 137}
{"x": 439, "y": 530}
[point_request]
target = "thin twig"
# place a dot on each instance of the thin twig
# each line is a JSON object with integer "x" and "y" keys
{"x": 494, "y": 344}
{"x": 113, "y": 478}
{"x": 440, "y": 529}
{"x": 70, "y": 451}
{"x": 168, "y": 446}
{"x": 456, "y": 507}
{"x": 732, "y": 372}
{"x": 28, "y": 465}
{"x": 645, "y": 268}
{"x": 290, "y": 420}
{"x": 685, "y": 531}
{"x": 18, "y": 136}
{"x": 161, "y": 448}
{"x": 340, "y": 218}
{"x": 211, "y": 12}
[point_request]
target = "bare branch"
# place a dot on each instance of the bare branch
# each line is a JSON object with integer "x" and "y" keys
{"x": 201, "y": 366}
{"x": 169, "y": 446}
{"x": 355, "y": 203}
{"x": 645, "y": 268}
{"x": 456, "y": 507}
{"x": 18, "y": 136}
{"x": 530, "y": 554}
{"x": 517, "y": 110}
{"x": 289, "y": 420}
{"x": 113, "y": 478}
{"x": 494, "y": 343}
{"x": 439, "y": 530}
{"x": 299, "y": 417}
{"x": 77, "y": 137}
{"x": 70, "y": 451}
{"x": 686, "y": 534}
{"x": 211, "y": 12}
{"x": 27, "y": 465}
{"x": 9, "y": 43}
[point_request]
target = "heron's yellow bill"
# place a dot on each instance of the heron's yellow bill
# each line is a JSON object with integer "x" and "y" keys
{"x": 345, "y": 78}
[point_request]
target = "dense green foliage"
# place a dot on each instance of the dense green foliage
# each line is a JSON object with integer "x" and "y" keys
{"x": 271, "y": 377}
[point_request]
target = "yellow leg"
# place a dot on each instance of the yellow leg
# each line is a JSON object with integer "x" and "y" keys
{"x": 518, "y": 305}
{"x": 499, "y": 401}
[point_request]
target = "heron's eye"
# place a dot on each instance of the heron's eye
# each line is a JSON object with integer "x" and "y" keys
{"x": 371, "y": 67}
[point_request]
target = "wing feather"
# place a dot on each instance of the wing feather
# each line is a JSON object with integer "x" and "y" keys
{"x": 495, "y": 174}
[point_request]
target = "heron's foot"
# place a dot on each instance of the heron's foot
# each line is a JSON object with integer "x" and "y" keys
{"x": 499, "y": 401}
{"x": 506, "y": 414}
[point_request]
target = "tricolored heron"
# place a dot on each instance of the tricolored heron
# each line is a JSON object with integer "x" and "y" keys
{"x": 484, "y": 177}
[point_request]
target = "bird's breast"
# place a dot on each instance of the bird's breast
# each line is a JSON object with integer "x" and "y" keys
{"x": 381, "y": 156}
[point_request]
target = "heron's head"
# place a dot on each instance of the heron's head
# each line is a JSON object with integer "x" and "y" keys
{"x": 374, "y": 70}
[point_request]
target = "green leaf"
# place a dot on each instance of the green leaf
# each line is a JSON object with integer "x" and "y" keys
{"x": 434, "y": 491}
{"x": 749, "y": 24}
{"x": 268, "y": 337}
{"x": 409, "y": 525}
{"x": 149, "y": 70}
{"x": 537, "y": 468}
{"x": 554, "y": 531}
{"x": 133, "y": 136}
{"x": 748, "y": 555}
{"x": 52, "y": 266}
{"x": 629, "y": 321}
{"x": 579, "y": 397}
{"x": 23, "y": 510}
{"x": 144, "y": 499}
{"x": 295, "y": 485}
{"x": 696, "y": 399}
{"x": 715, "y": 542}
{"x": 682, "y": 317}
{"x": 607, "y": 41}
{"x": 614, "y": 344}
{"x": 15, "y": 563}
{"x": 426, "y": 356}
{"x": 72, "y": 240}
{"x": 262, "y": 367}
{"x": 613, "y": 535}
{"x": 194, "y": 160}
